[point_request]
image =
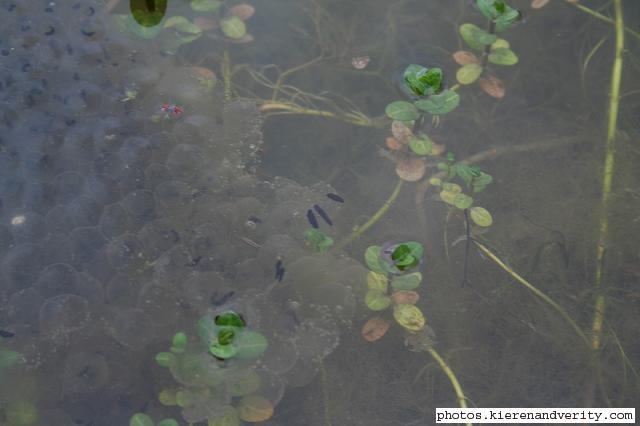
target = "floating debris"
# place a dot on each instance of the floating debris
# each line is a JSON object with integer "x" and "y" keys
{"x": 5, "y": 333}
{"x": 171, "y": 110}
{"x": 335, "y": 197}
{"x": 279, "y": 271}
{"x": 312, "y": 219}
{"x": 219, "y": 301}
{"x": 323, "y": 214}
{"x": 360, "y": 62}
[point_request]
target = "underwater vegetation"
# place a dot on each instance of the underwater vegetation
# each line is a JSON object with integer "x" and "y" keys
{"x": 168, "y": 256}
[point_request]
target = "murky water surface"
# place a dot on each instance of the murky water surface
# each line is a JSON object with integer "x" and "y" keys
{"x": 161, "y": 168}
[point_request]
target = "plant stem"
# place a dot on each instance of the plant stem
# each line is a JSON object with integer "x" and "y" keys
{"x": 607, "y": 180}
{"x": 534, "y": 290}
{"x": 376, "y": 217}
{"x": 600, "y": 16}
{"x": 487, "y": 48}
{"x": 462, "y": 400}
{"x": 467, "y": 243}
{"x": 291, "y": 108}
{"x": 417, "y": 125}
{"x": 226, "y": 74}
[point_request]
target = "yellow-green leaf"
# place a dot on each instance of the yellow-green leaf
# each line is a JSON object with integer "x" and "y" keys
{"x": 406, "y": 282}
{"x": 377, "y": 281}
{"x": 462, "y": 201}
{"x": 503, "y": 56}
{"x": 233, "y": 27}
{"x": 480, "y": 216}
{"x": 499, "y": 43}
{"x": 409, "y": 317}
{"x": 377, "y": 300}
{"x": 469, "y": 73}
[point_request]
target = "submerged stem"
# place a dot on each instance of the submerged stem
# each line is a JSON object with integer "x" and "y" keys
{"x": 607, "y": 181}
{"x": 600, "y": 16}
{"x": 462, "y": 400}
{"x": 376, "y": 217}
{"x": 534, "y": 290}
{"x": 291, "y": 108}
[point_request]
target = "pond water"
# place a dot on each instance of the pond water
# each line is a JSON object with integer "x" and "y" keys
{"x": 207, "y": 213}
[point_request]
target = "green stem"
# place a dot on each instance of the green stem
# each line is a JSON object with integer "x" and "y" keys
{"x": 462, "y": 400}
{"x": 376, "y": 217}
{"x": 607, "y": 182}
{"x": 535, "y": 291}
{"x": 601, "y": 17}
{"x": 607, "y": 175}
{"x": 487, "y": 48}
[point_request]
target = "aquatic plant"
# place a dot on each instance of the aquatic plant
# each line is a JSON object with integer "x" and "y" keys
{"x": 390, "y": 282}
{"x": 141, "y": 419}
{"x": 20, "y": 413}
{"x": 211, "y": 18}
{"x": 219, "y": 379}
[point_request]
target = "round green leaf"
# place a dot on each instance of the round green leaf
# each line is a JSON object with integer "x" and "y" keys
{"x": 318, "y": 239}
{"x": 439, "y": 104}
{"x": 469, "y": 73}
{"x": 405, "y": 256}
{"x": 182, "y": 24}
{"x": 168, "y": 422}
{"x": 409, "y": 317}
{"x": 422, "y": 81}
{"x": 377, "y": 300}
{"x": 179, "y": 342}
{"x": 421, "y": 145}
{"x": 452, "y": 187}
{"x": 230, "y": 319}
{"x": 500, "y": 43}
{"x": 462, "y": 201}
{"x": 223, "y": 351}
{"x": 406, "y": 282}
{"x": 401, "y": 111}
{"x": 226, "y": 335}
{"x": 507, "y": 19}
{"x": 233, "y": 27}
{"x": 165, "y": 359}
{"x": 141, "y": 419}
{"x": 448, "y": 196}
{"x": 481, "y": 216}
{"x": 8, "y": 358}
{"x": 205, "y": 5}
{"x": 145, "y": 16}
{"x": 476, "y": 37}
{"x": 377, "y": 281}
{"x": 415, "y": 248}
{"x": 250, "y": 344}
{"x": 372, "y": 259}
{"x": 503, "y": 56}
